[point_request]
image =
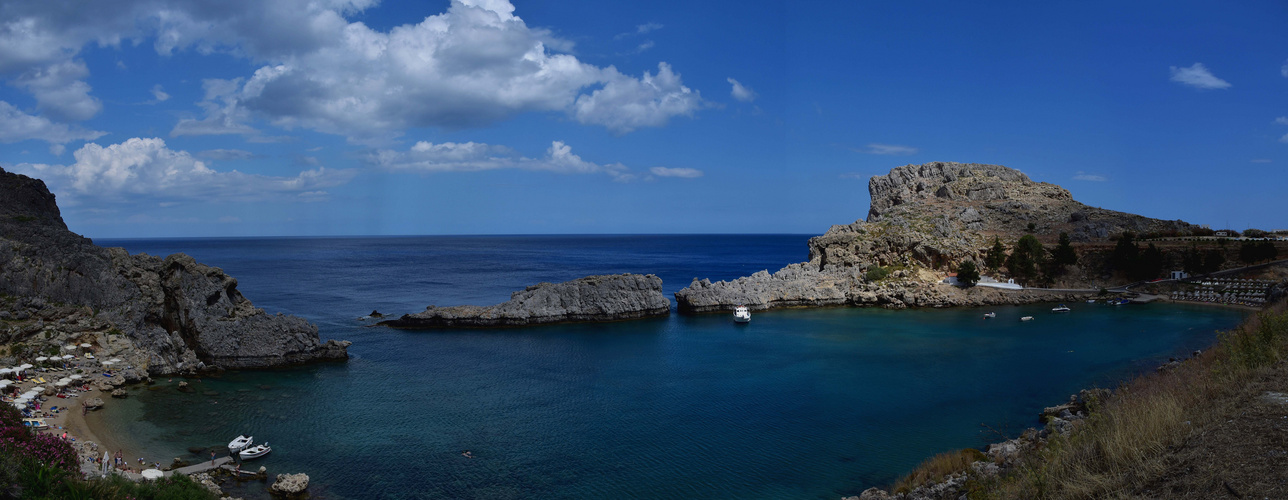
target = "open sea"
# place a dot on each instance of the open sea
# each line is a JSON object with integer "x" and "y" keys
{"x": 801, "y": 403}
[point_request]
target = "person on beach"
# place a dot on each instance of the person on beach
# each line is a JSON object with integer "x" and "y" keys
{"x": 212, "y": 457}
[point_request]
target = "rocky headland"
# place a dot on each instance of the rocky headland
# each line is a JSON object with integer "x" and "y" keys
{"x": 924, "y": 221}
{"x": 593, "y": 298}
{"x": 160, "y": 315}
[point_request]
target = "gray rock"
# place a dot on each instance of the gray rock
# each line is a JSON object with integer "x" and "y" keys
{"x": 290, "y": 484}
{"x": 93, "y": 403}
{"x": 118, "y": 393}
{"x": 593, "y": 298}
{"x": 181, "y": 314}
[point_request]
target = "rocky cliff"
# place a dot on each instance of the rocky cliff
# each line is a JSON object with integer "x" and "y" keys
{"x": 593, "y": 298}
{"x": 165, "y": 315}
{"x": 926, "y": 219}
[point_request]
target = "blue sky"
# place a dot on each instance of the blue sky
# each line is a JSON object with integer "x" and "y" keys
{"x": 156, "y": 118}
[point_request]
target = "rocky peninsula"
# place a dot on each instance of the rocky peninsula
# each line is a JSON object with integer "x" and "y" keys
{"x": 160, "y": 315}
{"x": 924, "y": 220}
{"x": 593, "y": 298}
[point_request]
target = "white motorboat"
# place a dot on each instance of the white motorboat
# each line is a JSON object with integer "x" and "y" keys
{"x": 255, "y": 451}
{"x": 1027, "y": 318}
{"x": 1062, "y": 309}
{"x": 741, "y": 315}
{"x": 988, "y": 315}
{"x": 240, "y": 443}
{"x": 1091, "y": 301}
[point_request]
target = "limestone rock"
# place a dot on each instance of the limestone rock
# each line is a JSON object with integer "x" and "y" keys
{"x": 93, "y": 403}
{"x": 593, "y": 298}
{"x": 181, "y": 315}
{"x": 119, "y": 393}
{"x": 290, "y": 484}
{"x": 922, "y": 217}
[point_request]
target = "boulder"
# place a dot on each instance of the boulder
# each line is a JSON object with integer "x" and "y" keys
{"x": 119, "y": 393}
{"x": 93, "y": 403}
{"x": 290, "y": 484}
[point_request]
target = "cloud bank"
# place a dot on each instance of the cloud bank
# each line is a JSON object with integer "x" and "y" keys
{"x": 145, "y": 170}
{"x": 427, "y": 157}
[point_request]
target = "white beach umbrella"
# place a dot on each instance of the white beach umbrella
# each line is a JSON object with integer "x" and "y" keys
{"x": 76, "y": 377}
{"x": 108, "y": 363}
{"x": 86, "y": 345}
{"x": 70, "y": 346}
{"x": 68, "y": 356}
{"x": 42, "y": 358}
{"x": 5, "y": 371}
{"x": 26, "y": 366}
{"x": 5, "y": 382}
{"x": 107, "y": 462}
{"x": 20, "y": 406}
{"x": 62, "y": 383}
{"x": 153, "y": 474}
{"x": 115, "y": 360}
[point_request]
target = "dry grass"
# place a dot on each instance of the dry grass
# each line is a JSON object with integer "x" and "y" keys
{"x": 937, "y": 467}
{"x": 1124, "y": 445}
{"x": 1125, "y": 441}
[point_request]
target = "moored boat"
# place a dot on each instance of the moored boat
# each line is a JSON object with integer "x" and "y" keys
{"x": 988, "y": 315}
{"x": 1026, "y": 318}
{"x": 741, "y": 315}
{"x": 1061, "y": 309}
{"x": 240, "y": 443}
{"x": 255, "y": 451}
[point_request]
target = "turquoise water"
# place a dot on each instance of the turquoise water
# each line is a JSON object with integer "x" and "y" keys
{"x": 815, "y": 403}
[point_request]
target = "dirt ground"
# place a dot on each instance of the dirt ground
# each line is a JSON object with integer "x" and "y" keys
{"x": 1241, "y": 454}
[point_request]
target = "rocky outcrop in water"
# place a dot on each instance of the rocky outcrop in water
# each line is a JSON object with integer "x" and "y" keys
{"x": 926, "y": 219}
{"x": 164, "y": 315}
{"x": 593, "y": 298}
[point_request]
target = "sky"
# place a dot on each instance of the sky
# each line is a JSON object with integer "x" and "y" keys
{"x": 175, "y": 118}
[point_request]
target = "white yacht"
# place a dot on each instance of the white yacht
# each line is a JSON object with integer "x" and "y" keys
{"x": 1062, "y": 309}
{"x": 1026, "y": 318}
{"x": 988, "y": 315}
{"x": 741, "y": 315}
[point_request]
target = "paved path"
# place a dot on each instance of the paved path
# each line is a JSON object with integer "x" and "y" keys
{"x": 204, "y": 466}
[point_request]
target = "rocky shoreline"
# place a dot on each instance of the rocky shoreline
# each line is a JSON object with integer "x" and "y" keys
{"x": 590, "y": 299}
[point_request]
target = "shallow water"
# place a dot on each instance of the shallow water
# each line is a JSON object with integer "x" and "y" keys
{"x": 805, "y": 403}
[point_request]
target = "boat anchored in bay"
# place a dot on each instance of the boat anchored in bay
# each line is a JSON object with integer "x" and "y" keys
{"x": 741, "y": 314}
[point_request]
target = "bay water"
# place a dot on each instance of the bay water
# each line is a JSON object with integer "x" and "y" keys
{"x": 800, "y": 403}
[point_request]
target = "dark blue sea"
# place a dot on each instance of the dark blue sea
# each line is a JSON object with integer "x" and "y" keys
{"x": 802, "y": 403}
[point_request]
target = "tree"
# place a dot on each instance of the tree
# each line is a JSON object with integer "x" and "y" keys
{"x": 1213, "y": 260}
{"x": 996, "y": 255}
{"x": 1027, "y": 257}
{"x": 1150, "y": 265}
{"x": 1193, "y": 261}
{"x": 1248, "y": 252}
{"x": 967, "y": 274}
{"x": 1064, "y": 254}
{"x": 1125, "y": 253}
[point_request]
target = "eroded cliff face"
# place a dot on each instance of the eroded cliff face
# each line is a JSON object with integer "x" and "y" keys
{"x": 927, "y": 217}
{"x": 173, "y": 314}
{"x": 593, "y": 298}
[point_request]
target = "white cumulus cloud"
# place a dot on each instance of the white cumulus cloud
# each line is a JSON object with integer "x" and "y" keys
{"x": 1283, "y": 120}
{"x": 1083, "y": 176}
{"x": 472, "y": 65}
{"x": 741, "y": 92}
{"x": 18, "y": 126}
{"x": 146, "y": 170}
{"x": 1198, "y": 76}
{"x": 159, "y": 95}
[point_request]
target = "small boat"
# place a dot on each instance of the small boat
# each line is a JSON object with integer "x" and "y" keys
{"x": 240, "y": 443}
{"x": 1061, "y": 309}
{"x": 255, "y": 451}
{"x": 1091, "y": 301}
{"x": 1027, "y": 318}
{"x": 741, "y": 315}
{"x": 990, "y": 315}
{"x": 1120, "y": 302}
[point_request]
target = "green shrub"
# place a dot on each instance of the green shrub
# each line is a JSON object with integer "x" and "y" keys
{"x": 876, "y": 273}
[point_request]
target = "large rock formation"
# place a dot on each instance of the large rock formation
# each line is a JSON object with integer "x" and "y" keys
{"x": 923, "y": 218}
{"x": 167, "y": 315}
{"x": 593, "y": 298}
